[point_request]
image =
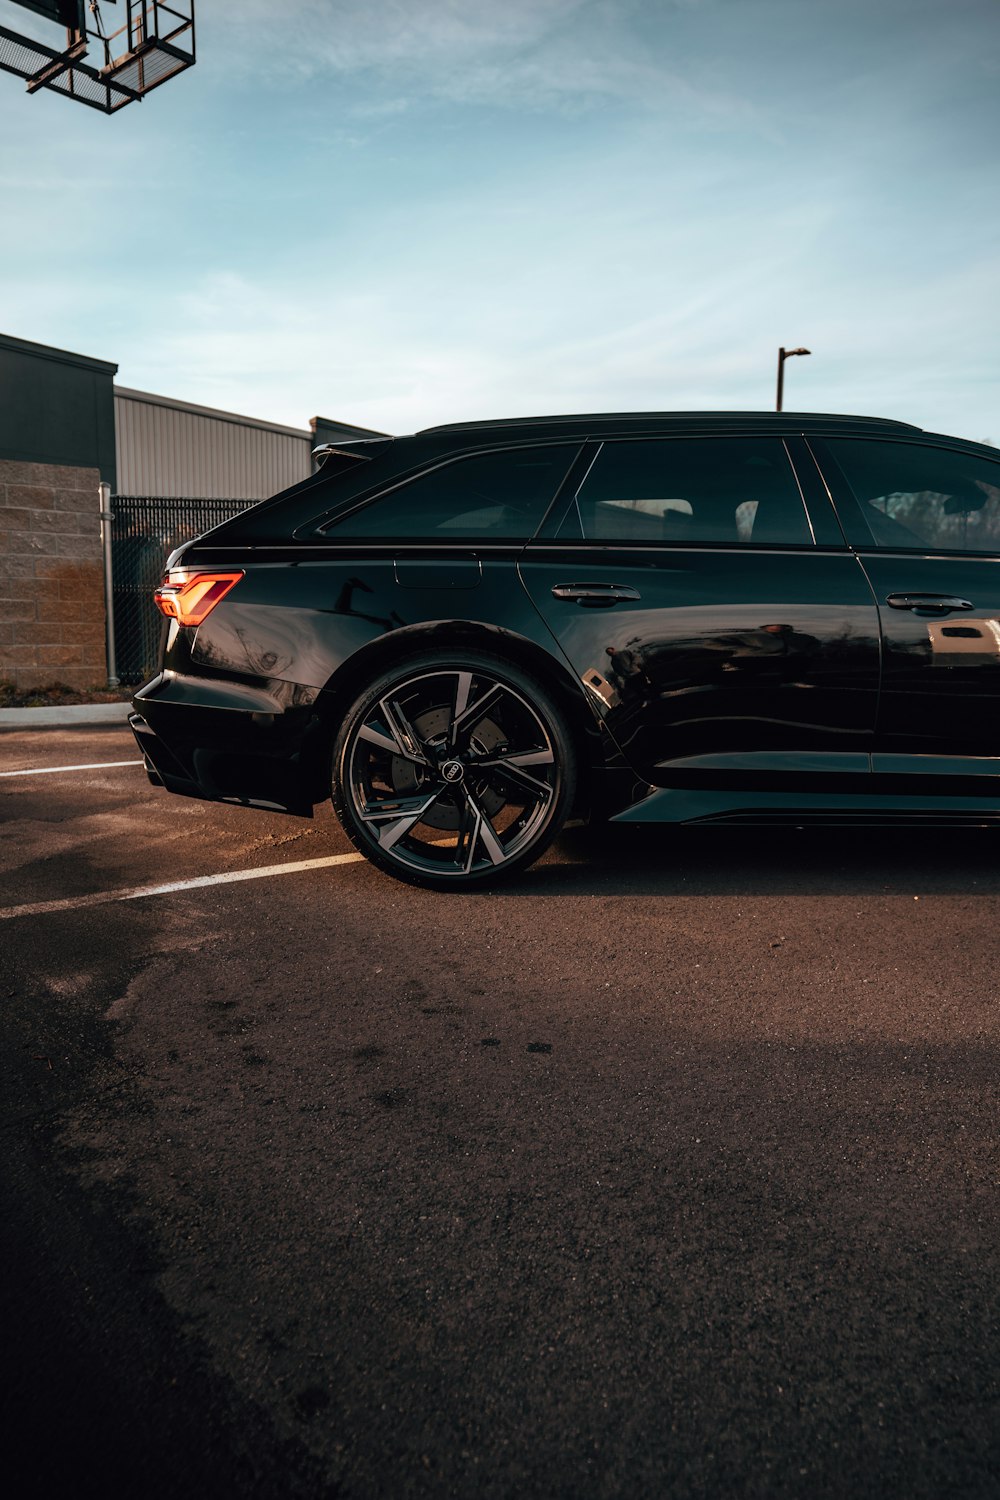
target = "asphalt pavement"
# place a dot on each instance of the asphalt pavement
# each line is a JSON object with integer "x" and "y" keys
{"x": 670, "y": 1170}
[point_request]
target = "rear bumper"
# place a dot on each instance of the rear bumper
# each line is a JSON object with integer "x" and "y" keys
{"x": 227, "y": 742}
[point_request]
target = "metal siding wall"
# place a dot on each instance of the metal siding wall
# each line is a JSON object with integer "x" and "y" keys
{"x": 165, "y": 450}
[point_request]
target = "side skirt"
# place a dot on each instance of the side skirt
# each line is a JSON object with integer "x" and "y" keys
{"x": 691, "y": 805}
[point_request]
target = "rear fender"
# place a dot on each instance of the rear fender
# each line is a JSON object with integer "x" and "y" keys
{"x": 596, "y": 751}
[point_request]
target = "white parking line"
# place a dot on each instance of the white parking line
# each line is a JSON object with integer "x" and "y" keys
{"x": 97, "y": 765}
{"x": 135, "y": 892}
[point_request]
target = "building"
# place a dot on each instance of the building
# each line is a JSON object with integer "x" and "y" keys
{"x": 65, "y": 428}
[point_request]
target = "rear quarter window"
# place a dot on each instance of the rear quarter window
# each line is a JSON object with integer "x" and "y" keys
{"x": 499, "y": 496}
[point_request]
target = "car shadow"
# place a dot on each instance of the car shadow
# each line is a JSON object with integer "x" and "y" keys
{"x": 617, "y": 860}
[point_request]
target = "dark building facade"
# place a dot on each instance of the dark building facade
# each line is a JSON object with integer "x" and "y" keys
{"x": 65, "y": 428}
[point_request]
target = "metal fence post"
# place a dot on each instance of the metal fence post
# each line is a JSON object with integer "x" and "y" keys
{"x": 107, "y": 516}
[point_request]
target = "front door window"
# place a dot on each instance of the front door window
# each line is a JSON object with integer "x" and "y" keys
{"x": 914, "y": 495}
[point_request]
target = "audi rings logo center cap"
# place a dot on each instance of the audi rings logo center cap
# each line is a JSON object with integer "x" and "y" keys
{"x": 453, "y": 771}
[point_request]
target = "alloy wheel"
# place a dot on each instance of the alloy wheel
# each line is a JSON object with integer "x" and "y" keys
{"x": 454, "y": 774}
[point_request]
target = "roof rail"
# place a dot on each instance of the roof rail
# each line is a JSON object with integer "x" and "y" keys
{"x": 646, "y": 416}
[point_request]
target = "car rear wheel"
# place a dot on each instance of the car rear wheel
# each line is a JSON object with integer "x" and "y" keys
{"x": 453, "y": 772}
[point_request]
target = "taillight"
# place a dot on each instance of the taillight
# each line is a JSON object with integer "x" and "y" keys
{"x": 189, "y": 599}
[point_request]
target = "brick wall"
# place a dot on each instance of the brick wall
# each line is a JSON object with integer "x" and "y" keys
{"x": 51, "y": 576}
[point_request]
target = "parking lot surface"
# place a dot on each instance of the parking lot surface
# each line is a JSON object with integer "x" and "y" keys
{"x": 670, "y": 1169}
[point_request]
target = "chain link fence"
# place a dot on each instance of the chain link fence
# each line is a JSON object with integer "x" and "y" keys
{"x": 144, "y": 531}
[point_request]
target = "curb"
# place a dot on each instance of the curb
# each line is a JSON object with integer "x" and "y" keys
{"x": 67, "y": 713}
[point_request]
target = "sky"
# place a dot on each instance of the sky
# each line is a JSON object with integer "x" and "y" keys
{"x": 403, "y": 212}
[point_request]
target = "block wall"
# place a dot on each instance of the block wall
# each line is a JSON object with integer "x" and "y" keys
{"x": 51, "y": 576}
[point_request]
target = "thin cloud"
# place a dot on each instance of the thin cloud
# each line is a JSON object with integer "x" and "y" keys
{"x": 548, "y": 55}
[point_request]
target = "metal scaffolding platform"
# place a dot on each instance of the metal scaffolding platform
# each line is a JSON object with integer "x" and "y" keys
{"x": 154, "y": 43}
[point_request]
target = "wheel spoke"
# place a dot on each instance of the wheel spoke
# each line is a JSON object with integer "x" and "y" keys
{"x": 403, "y": 731}
{"x": 404, "y": 741}
{"x": 375, "y": 737}
{"x": 482, "y": 832}
{"x": 463, "y": 687}
{"x": 473, "y": 712}
{"x": 468, "y": 831}
{"x": 512, "y": 767}
{"x": 399, "y": 815}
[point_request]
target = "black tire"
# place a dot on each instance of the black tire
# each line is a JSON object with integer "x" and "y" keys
{"x": 453, "y": 771}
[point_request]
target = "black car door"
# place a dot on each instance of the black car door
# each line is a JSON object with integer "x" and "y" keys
{"x": 925, "y": 518}
{"x": 720, "y": 625}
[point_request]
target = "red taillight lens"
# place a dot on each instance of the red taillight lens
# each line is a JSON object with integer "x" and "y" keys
{"x": 189, "y": 599}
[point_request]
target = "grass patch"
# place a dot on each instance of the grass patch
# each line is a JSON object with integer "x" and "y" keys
{"x": 56, "y": 694}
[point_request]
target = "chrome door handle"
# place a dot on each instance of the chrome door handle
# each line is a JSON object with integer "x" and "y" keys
{"x": 595, "y": 593}
{"x": 928, "y": 604}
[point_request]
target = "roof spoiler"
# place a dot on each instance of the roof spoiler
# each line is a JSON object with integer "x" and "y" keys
{"x": 351, "y": 448}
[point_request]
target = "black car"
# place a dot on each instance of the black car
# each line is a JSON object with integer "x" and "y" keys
{"x": 477, "y": 632}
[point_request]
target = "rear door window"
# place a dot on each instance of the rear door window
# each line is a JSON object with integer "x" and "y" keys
{"x": 690, "y": 490}
{"x": 494, "y": 497}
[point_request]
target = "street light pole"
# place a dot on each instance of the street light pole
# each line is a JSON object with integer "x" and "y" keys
{"x": 107, "y": 516}
{"x": 784, "y": 354}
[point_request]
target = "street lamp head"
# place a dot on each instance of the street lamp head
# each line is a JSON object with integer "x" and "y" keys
{"x": 790, "y": 352}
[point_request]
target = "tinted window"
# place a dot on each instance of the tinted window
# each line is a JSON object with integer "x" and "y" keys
{"x": 493, "y": 496}
{"x": 914, "y": 496}
{"x": 690, "y": 490}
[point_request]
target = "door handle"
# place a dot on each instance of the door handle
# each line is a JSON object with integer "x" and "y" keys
{"x": 928, "y": 604}
{"x": 595, "y": 593}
